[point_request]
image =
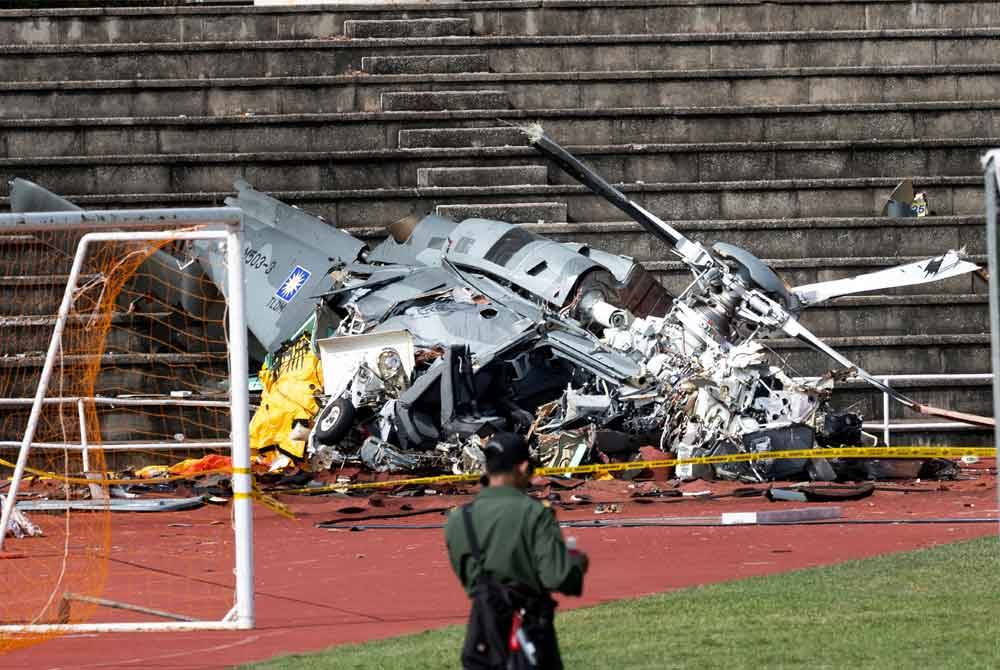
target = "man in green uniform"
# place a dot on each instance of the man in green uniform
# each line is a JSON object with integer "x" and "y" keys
{"x": 508, "y": 551}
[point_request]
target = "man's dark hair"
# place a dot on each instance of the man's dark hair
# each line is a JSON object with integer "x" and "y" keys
{"x": 504, "y": 452}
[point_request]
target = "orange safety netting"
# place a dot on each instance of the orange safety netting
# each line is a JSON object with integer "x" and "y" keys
{"x": 146, "y": 327}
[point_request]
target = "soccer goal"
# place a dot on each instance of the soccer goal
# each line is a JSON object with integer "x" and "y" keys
{"x": 124, "y": 458}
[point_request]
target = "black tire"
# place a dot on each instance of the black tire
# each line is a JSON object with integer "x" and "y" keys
{"x": 334, "y": 422}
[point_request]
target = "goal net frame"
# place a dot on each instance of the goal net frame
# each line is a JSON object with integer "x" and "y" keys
{"x": 220, "y": 224}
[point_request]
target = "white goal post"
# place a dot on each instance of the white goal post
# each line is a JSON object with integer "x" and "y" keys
{"x": 223, "y": 225}
{"x": 991, "y": 197}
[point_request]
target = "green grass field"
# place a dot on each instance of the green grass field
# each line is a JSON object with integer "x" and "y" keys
{"x": 929, "y": 609}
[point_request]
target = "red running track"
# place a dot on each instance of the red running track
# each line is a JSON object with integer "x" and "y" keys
{"x": 318, "y": 588}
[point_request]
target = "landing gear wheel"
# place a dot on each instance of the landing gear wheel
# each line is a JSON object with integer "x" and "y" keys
{"x": 334, "y": 422}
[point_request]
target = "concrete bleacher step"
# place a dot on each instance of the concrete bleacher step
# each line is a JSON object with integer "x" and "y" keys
{"x": 504, "y": 17}
{"x": 152, "y": 423}
{"x": 928, "y": 314}
{"x": 21, "y": 254}
{"x": 37, "y": 295}
{"x": 551, "y": 90}
{"x": 809, "y": 48}
{"x": 520, "y": 54}
{"x": 435, "y": 64}
{"x": 32, "y": 333}
{"x": 233, "y": 59}
{"x": 642, "y": 125}
{"x": 410, "y": 101}
{"x": 757, "y": 199}
{"x": 648, "y": 163}
{"x": 515, "y": 212}
{"x": 931, "y": 436}
{"x": 124, "y": 362}
{"x": 311, "y": 131}
{"x": 152, "y": 373}
{"x": 480, "y": 128}
{"x": 454, "y": 138}
{"x": 482, "y": 176}
{"x": 436, "y": 27}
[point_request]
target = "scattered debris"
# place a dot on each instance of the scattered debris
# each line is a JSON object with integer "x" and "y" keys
{"x": 191, "y": 467}
{"x": 20, "y": 526}
{"x": 114, "y": 505}
{"x": 64, "y": 607}
{"x": 780, "y": 516}
{"x": 904, "y": 203}
{"x": 831, "y": 493}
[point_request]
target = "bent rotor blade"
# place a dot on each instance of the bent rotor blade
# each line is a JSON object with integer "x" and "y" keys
{"x": 689, "y": 251}
{"x": 795, "y": 329}
{"x": 963, "y": 417}
{"x": 572, "y": 166}
{"x": 948, "y": 265}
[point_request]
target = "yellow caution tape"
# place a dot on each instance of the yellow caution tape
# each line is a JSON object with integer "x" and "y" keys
{"x": 602, "y": 468}
{"x": 840, "y": 452}
{"x": 46, "y": 474}
{"x": 269, "y": 502}
{"x": 265, "y": 500}
{"x": 595, "y": 469}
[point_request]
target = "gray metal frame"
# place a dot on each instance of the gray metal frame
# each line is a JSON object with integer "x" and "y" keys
{"x": 991, "y": 167}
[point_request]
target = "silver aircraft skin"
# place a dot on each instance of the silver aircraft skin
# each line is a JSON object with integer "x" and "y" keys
{"x": 448, "y": 331}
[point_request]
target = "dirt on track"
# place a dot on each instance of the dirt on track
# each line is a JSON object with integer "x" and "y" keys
{"x": 317, "y": 587}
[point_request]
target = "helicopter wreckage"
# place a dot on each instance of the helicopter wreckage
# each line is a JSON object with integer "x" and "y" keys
{"x": 446, "y": 332}
{"x": 418, "y": 348}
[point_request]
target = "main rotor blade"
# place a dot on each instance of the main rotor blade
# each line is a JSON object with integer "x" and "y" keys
{"x": 691, "y": 252}
{"x": 963, "y": 417}
{"x": 572, "y": 166}
{"x": 795, "y": 329}
{"x": 947, "y": 265}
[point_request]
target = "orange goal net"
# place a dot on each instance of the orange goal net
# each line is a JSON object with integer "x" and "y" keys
{"x": 122, "y": 514}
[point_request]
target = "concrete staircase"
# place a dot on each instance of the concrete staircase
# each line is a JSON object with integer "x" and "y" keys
{"x": 501, "y": 17}
{"x": 781, "y": 127}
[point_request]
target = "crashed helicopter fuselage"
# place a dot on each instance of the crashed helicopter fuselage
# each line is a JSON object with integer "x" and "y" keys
{"x": 501, "y": 329}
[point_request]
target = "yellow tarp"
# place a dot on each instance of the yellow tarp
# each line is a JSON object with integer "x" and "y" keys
{"x": 288, "y": 395}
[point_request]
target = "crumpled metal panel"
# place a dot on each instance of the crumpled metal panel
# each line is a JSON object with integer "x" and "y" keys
{"x": 536, "y": 265}
{"x": 287, "y": 254}
{"x": 424, "y": 246}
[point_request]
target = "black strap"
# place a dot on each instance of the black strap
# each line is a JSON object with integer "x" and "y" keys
{"x": 470, "y": 534}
